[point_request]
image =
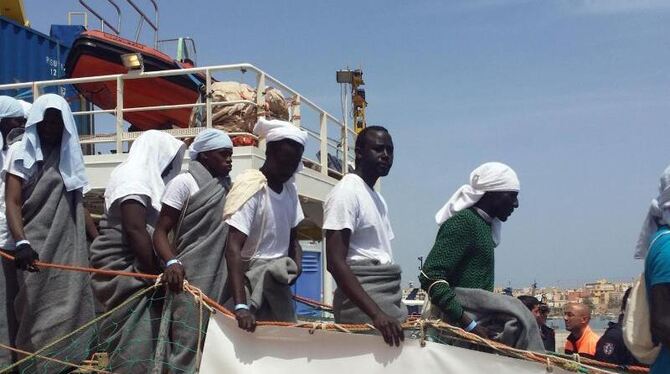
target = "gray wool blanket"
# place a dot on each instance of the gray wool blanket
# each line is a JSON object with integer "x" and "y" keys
{"x": 52, "y": 303}
{"x": 381, "y": 283}
{"x": 200, "y": 241}
{"x": 506, "y": 316}
{"x": 129, "y": 334}
{"x": 268, "y": 289}
{"x": 9, "y": 287}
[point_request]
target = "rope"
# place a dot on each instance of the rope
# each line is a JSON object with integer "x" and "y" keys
{"x": 82, "y": 269}
{"x": 586, "y": 365}
{"x": 83, "y": 327}
{"x": 84, "y": 368}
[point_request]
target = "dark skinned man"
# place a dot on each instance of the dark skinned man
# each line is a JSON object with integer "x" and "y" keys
{"x": 263, "y": 211}
{"x": 11, "y": 117}
{"x": 132, "y": 205}
{"x": 358, "y": 242}
{"x": 45, "y": 183}
{"x": 462, "y": 258}
{"x": 193, "y": 208}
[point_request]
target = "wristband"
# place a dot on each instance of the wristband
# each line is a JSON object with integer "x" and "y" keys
{"x": 241, "y": 306}
{"x": 172, "y": 262}
{"x": 24, "y": 241}
{"x": 471, "y": 326}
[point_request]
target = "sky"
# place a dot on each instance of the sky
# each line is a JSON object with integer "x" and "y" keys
{"x": 573, "y": 94}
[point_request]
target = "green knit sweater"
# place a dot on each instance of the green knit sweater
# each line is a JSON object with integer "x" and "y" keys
{"x": 463, "y": 256}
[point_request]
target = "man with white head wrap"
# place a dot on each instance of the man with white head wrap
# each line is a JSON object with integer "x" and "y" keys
{"x": 193, "y": 209}
{"x": 132, "y": 203}
{"x": 45, "y": 182}
{"x": 654, "y": 247}
{"x": 11, "y": 117}
{"x": 263, "y": 212}
{"x": 463, "y": 253}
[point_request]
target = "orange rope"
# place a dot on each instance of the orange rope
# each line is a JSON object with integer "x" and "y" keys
{"x": 85, "y": 269}
{"x": 337, "y": 327}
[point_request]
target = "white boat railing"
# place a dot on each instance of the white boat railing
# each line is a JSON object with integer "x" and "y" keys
{"x": 341, "y": 144}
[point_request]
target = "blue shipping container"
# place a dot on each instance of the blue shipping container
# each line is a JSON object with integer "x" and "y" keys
{"x": 309, "y": 284}
{"x": 27, "y": 55}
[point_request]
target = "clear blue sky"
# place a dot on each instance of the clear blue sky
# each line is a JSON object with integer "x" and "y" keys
{"x": 574, "y": 94}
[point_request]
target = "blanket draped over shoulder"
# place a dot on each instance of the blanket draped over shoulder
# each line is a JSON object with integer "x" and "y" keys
{"x": 200, "y": 239}
{"x": 128, "y": 334}
{"x": 503, "y": 315}
{"x": 382, "y": 283}
{"x": 52, "y": 303}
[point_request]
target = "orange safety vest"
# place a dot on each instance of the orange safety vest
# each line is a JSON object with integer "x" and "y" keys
{"x": 585, "y": 345}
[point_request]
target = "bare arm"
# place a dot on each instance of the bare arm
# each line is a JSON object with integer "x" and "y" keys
{"x": 24, "y": 255}
{"x": 295, "y": 251}
{"x": 13, "y": 204}
{"x": 234, "y": 245}
{"x": 167, "y": 220}
{"x": 133, "y": 223}
{"x": 337, "y": 244}
{"x": 659, "y": 305}
{"x": 91, "y": 229}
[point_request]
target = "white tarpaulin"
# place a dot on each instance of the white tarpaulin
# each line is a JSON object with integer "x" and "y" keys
{"x": 277, "y": 350}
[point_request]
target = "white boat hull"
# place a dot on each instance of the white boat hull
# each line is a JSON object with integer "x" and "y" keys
{"x": 294, "y": 350}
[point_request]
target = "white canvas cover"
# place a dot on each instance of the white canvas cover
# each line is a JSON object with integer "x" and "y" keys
{"x": 293, "y": 350}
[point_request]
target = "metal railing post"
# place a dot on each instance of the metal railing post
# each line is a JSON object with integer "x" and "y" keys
{"x": 345, "y": 150}
{"x": 119, "y": 115}
{"x": 260, "y": 94}
{"x": 208, "y": 97}
{"x": 295, "y": 111}
{"x": 36, "y": 91}
{"x": 260, "y": 102}
{"x": 323, "y": 136}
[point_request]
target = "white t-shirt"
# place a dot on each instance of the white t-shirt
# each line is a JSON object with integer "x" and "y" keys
{"x": 353, "y": 205}
{"x": 6, "y": 240}
{"x": 179, "y": 189}
{"x": 16, "y": 168}
{"x": 152, "y": 214}
{"x": 282, "y": 213}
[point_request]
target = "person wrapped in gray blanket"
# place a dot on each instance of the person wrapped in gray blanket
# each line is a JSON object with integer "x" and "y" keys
{"x": 192, "y": 210}
{"x": 132, "y": 203}
{"x": 11, "y": 118}
{"x": 263, "y": 212}
{"x": 358, "y": 242}
{"x": 45, "y": 182}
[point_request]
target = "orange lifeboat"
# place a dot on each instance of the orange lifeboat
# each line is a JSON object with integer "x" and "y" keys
{"x": 98, "y": 53}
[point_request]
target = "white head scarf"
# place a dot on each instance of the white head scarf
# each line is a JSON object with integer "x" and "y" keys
{"x": 26, "y": 107}
{"x": 9, "y": 108}
{"x": 140, "y": 173}
{"x": 491, "y": 176}
{"x": 275, "y": 130}
{"x": 658, "y": 215}
{"x": 71, "y": 165}
{"x": 208, "y": 140}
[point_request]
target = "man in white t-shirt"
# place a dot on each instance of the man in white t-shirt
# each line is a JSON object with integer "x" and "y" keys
{"x": 358, "y": 242}
{"x": 263, "y": 212}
